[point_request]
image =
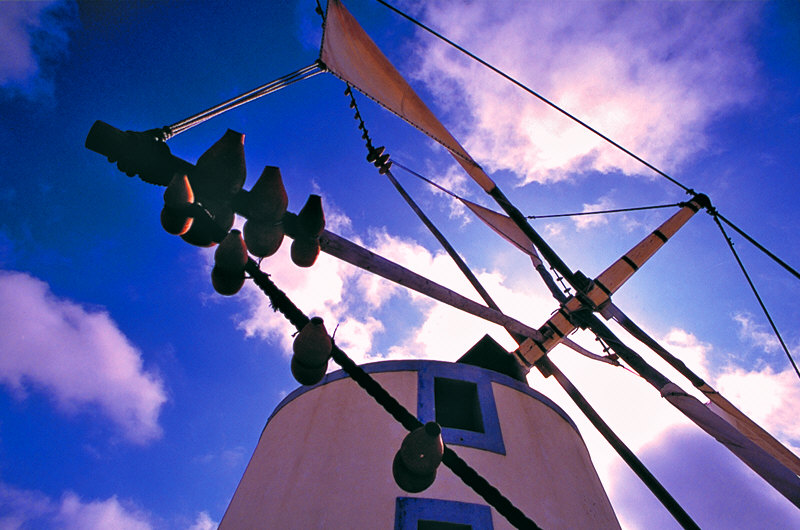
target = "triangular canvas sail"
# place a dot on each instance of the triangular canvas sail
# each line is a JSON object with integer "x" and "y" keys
{"x": 349, "y": 53}
{"x": 505, "y": 227}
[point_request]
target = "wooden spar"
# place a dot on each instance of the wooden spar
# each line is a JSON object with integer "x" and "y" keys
{"x": 729, "y": 411}
{"x": 367, "y": 260}
{"x": 353, "y": 254}
{"x": 596, "y": 295}
{"x": 611, "y": 279}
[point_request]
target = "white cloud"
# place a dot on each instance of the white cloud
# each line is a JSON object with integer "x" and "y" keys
{"x": 204, "y": 522}
{"x": 584, "y": 222}
{"x": 18, "y": 507}
{"x": 340, "y": 293}
{"x": 78, "y": 357}
{"x": 689, "y": 349}
{"x": 649, "y": 75}
{"x": 771, "y": 399}
{"x": 755, "y": 333}
{"x": 317, "y": 291}
{"x": 34, "y": 34}
{"x": 76, "y": 514}
{"x": 32, "y": 509}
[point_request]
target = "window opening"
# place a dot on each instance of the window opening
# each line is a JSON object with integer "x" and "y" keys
{"x": 457, "y": 405}
{"x": 437, "y": 525}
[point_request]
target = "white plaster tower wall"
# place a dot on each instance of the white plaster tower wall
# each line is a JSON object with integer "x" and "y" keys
{"x": 324, "y": 459}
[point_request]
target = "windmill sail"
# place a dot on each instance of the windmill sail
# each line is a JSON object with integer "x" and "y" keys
{"x": 349, "y": 53}
{"x": 506, "y": 228}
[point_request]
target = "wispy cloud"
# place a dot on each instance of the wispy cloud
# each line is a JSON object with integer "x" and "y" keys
{"x": 204, "y": 522}
{"x": 650, "y": 75}
{"x": 76, "y": 356}
{"x": 21, "y": 508}
{"x": 35, "y": 37}
{"x": 756, "y": 334}
{"x": 32, "y": 509}
{"x": 584, "y": 222}
{"x": 770, "y": 398}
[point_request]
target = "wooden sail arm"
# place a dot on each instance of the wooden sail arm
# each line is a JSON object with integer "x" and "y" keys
{"x": 552, "y": 333}
{"x": 611, "y": 279}
{"x": 367, "y": 260}
{"x": 536, "y": 341}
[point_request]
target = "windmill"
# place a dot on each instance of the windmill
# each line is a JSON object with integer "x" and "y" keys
{"x": 346, "y": 51}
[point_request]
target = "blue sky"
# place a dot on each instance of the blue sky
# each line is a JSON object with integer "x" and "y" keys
{"x": 132, "y": 395}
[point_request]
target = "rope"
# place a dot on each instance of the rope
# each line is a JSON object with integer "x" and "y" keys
{"x": 489, "y": 493}
{"x": 278, "y": 300}
{"x": 759, "y": 246}
{"x": 595, "y": 212}
{"x": 281, "y": 302}
{"x": 273, "y": 86}
{"x": 755, "y": 292}
{"x": 459, "y": 261}
{"x": 667, "y": 500}
{"x": 425, "y": 179}
{"x": 538, "y": 96}
{"x": 451, "y": 459}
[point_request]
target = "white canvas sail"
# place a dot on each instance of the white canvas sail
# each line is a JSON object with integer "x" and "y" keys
{"x": 349, "y": 53}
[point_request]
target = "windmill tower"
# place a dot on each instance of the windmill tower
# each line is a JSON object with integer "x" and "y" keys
{"x": 324, "y": 459}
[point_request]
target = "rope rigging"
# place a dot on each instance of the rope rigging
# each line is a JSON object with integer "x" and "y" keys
{"x": 598, "y": 212}
{"x": 546, "y": 365}
{"x": 758, "y": 296}
{"x": 273, "y": 86}
{"x": 755, "y": 243}
{"x": 580, "y": 122}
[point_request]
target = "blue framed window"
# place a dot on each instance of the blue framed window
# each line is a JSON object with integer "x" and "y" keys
{"x": 415, "y": 513}
{"x": 459, "y": 397}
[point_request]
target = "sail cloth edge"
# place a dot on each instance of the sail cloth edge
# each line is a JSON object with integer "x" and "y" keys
{"x": 349, "y": 53}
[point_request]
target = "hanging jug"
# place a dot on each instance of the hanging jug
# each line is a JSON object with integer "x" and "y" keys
{"x": 311, "y": 223}
{"x": 219, "y": 174}
{"x": 177, "y": 198}
{"x": 312, "y": 349}
{"x": 415, "y": 464}
{"x": 230, "y": 259}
